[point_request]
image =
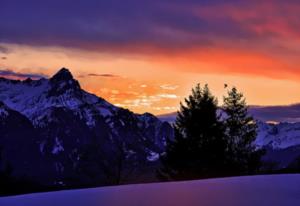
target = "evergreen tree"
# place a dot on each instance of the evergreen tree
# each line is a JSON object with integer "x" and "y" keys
{"x": 242, "y": 155}
{"x": 198, "y": 148}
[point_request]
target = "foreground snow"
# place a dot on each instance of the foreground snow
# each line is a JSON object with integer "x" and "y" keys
{"x": 252, "y": 190}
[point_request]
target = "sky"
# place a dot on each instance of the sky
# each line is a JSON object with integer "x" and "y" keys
{"x": 147, "y": 55}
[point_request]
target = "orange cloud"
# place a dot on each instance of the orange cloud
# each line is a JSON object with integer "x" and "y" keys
{"x": 233, "y": 61}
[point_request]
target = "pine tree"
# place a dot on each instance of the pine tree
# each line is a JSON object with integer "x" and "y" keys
{"x": 198, "y": 148}
{"x": 242, "y": 155}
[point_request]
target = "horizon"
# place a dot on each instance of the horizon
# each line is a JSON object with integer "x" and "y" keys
{"x": 10, "y": 75}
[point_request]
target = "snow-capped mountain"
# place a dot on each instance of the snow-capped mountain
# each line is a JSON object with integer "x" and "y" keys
{"x": 32, "y": 97}
{"x": 278, "y": 136}
{"x": 77, "y": 134}
{"x": 281, "y": 141}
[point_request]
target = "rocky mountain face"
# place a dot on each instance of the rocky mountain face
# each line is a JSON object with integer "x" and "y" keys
{"x": 278, "y": 136}
{"x": 62, "y": 134}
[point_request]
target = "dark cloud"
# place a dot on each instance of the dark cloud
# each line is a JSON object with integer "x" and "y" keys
{"x": 115, "y": 24}
{"x": 289, "y": 113}
{"x": 10, "y": 73}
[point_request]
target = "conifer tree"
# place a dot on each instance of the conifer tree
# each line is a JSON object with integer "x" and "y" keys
{"x": 242, "y": 155}
{"x": 198, "y": 148}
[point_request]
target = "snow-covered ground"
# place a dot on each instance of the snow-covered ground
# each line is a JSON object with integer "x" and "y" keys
{"x": 267, "y": 190}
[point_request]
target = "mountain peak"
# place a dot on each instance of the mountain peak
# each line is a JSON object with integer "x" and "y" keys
{"x": 62, "y": 81}
{"x": 62, "y": 74}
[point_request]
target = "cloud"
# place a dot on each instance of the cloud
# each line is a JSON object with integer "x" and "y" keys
{"x": 3, "y": 49}
{"x": 169, "y": 87}
{"x": 289, "y": 113}
{"x": 103, "y": 75}
{"x": 18, "y": 75}
{"x": 268, "y": 30}
{"x": 115, "y": 25}
{"x": 99, "y": 75}
{"x": 168, "y": 96}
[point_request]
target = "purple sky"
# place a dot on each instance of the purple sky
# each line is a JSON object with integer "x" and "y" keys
{"x": 168, "y": 24}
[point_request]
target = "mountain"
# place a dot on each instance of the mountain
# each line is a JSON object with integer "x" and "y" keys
{"x": 77, "y": 137}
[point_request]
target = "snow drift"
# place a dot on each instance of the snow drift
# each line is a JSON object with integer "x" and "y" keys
{"x": 247, "y": 191}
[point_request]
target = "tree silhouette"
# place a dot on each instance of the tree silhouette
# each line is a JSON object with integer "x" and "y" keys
{"x": 243, "y": 157}
{"x": 210, "y": 141}
{"x": 198, "y": 149}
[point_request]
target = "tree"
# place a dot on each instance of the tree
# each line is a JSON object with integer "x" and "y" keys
{"x": 242, "y": 155}
{"x": 198, "y": 148}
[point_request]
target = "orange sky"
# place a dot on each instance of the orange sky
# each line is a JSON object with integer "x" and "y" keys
{"x": 157, "y": 83}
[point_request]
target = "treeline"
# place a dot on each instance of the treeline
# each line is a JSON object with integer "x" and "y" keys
{"x": 212, "y": 142}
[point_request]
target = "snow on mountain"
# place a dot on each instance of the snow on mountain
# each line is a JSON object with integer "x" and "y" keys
{"x": 261, "y": 190}
{"x": 32, "y": 97}
{"x": 278, "y": 136}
